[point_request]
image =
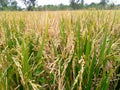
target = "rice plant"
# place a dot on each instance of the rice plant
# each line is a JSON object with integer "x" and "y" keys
{"x": 62, "y": 50}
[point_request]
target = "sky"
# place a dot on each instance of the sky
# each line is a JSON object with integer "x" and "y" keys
{"x": 44, "y": 2}
{"x": 66, "y": 2}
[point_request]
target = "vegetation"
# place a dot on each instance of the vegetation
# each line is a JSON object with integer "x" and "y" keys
{"x": 8, "y": 5}
{"x": 77, "y": 50}
{"x": 32, "y": 5}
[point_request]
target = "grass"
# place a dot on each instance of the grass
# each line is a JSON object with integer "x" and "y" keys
{"x": 64, "y": 50}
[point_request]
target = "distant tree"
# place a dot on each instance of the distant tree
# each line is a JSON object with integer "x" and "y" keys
{"x": 82, "y": 2}
{"x": 112, "y": 6}
{"x": 93, "y": 5}
{"x": 8, "y": 5}
{"x": 3, "y": 4}
{"x": 77, "y": 4}
{"x": 81, "y": 5}
{"x": 53, "y": 7}
{"x": 103, "y": 3}
{"x": 61, "y": 7}
{"x": 14, "y": 5}
{"x": 74, "y": 3}
{"x": 30, "y": 4}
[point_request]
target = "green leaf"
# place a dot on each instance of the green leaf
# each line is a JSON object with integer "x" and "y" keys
{"x": 91, "y": 73}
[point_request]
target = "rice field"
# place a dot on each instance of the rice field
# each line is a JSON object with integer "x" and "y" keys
{"x": 60, "y": 50}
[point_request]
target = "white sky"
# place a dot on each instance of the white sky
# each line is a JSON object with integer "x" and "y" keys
{"x": 44, "y": 2}
{"x": 56, "y": 2}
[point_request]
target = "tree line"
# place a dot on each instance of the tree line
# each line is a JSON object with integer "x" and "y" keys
{"x": 31, "y": 5}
